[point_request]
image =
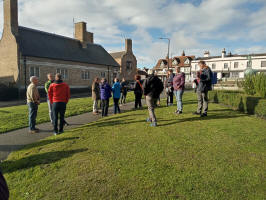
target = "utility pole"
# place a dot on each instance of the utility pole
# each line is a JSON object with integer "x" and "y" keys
{"x": 168, "y": 53}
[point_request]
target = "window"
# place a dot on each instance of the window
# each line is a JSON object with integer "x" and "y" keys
{"x": 213, "y": 65}
{"x": 85, "y": 75}
{"x": 162, "y": 64}
{"x": 225, "y": 65}
{"x": 263, "y": 63}
{"x": 236, "y": 65}
{"x": 129, "y": 65}
{"x": 235, "y": 74}
{"x": 187, "y": 61}
{"x": 249, "y": 63}
{"x": 196, "y": 66}
{"x": 103, "y": 74}
{"x": 175, "y": 62}
{"x": 35, "y": 71}
{"x": 63, "y": 72}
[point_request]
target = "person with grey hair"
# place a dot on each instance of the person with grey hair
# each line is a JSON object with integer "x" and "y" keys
{"x": 33, "y": 101}
{"x": 153, "y": 87}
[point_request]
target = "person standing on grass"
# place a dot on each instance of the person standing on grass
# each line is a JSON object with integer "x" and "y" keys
{"x": 33, "y": 101}
{"x": 59, "y": 95}
{"x": 169, "y": 89}
{"x": 123, "y": 91}
{"x": 153, "y": 87}
{"x": 96, "y": 96}
{"x": 179, "y": 87}
{"x": 116, "y": 94}
{"x": 46, "y": 87}
{"x": 204, "y": 86}
{"x": 4, "y": 192}
{"x": 138, "y": 91}
{"x": 106, "y": 94}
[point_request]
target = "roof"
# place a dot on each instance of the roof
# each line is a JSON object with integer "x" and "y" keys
{"x": 118, "y": 54}
{"x": 232, "y": 55}
{"x": 180, "y": 60}
{"x": 41, "y": 44}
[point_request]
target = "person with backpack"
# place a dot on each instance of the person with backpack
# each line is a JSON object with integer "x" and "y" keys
{"x": 204, "y": 86}
{"x": 106, "y": 94}
{"x": 116, "y": 94}
{"x": 138, "y": 91}
{"x": 152, "y": 87}
{"x": 179, "y": 87}
{"x": 123, "y": 91}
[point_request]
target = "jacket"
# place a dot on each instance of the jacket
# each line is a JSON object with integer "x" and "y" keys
{"x": 59, "y": 92}
{"x": 138, "y": 88}
{"x": 33, "y": 95}
{"x": 169, "y": 81}
{"x": 179, "y": 81}
{"x": 153, "y": 86}
{"x": 95, "y": 89}
{"x": 124, "y": 88}
{"x": 47, "y": 85}
{"x": 205, "y": 83}
{"x": 105, "y": 91}
{"x": 116, "y": 90}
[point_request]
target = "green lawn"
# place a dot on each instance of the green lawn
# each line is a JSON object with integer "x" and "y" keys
{"x": 16, "y": 117}
{"x": 121, "y": 157}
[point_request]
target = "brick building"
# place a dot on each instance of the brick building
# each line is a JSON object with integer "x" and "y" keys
{"x": 25, "y": 52}
{"x": 127, "y": 61}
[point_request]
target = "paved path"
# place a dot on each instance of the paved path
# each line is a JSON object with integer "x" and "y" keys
{"x": 17, "y": 139}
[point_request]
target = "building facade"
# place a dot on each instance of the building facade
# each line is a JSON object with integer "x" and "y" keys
{"x": 127, "y": 61}
{"x": 231, "y": 66}
{"x": 26, "y": 52}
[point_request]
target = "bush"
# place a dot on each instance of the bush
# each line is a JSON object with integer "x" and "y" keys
{"x": 255, "y": 84}
{"x": 240, "y": 101}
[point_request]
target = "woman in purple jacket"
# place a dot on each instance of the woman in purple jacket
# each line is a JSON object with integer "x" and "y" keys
{"x": 179, "y": 86}
{"x": 106, "y": 94}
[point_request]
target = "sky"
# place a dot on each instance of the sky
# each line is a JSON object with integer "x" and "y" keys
{"x": 194, "y": 26}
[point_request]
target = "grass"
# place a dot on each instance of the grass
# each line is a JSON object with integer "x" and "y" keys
{"x": 121, "y": 157}
{"x": 16, "y": 117}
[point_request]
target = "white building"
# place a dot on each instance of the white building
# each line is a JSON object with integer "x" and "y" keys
{"x": 230, "y": 66}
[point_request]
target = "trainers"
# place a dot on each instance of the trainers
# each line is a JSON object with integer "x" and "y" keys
{"x": 148, "y": 120}
{"x": 179, "y": 112}
{"x": 153, "y": 124}
{"x": 204, "y": 115}
{"x": 32, "y": 131}
{"x": 37, "y": 130}
{"x": 55, "y": 133}
{"x": 196, "y": 113}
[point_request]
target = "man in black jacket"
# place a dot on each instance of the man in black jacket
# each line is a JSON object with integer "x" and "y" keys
{"x": 169, "y": 89}
{"x": 205, "y": 85}
{"x": 152, "y": 87}
{"x": 4, "y": 193}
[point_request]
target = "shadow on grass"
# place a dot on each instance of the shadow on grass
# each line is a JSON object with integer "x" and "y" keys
{"x": 3, "y": 111}
{"x": 10, "y": 166}
{"x": 37, "y": 144}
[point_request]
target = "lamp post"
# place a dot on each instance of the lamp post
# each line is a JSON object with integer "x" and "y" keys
{"x": 162, "y": 38}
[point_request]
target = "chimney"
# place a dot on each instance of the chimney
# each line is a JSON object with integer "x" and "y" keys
{"x": 11, "y": 16}
{"x": 206, "y": 54}
{"x": 223, "y": 53}
{"x": 82, "y": 35}
{"x": 128, "y": 45}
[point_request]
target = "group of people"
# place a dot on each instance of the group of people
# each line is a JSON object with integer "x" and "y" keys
{"x": 58, "y": 95}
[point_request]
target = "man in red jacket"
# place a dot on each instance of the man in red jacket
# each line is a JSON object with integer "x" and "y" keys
{"x": 59, "y": 94}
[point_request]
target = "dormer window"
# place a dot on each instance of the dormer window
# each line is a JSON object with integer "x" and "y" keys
{"x": 175, "y": 62}
{"x": 163, "y": 64}
{"x": 187, "y": 62}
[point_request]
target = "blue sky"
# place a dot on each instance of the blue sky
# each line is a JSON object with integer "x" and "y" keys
{"x": 193, "y": 25}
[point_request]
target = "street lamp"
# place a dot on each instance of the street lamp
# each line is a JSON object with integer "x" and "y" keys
{"x": 162, "y": 38}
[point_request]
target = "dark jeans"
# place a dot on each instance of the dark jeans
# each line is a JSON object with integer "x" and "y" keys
{"x": 105, "y": 106}
{"x": 170, "y": 98}
{"x": 123, "y": 98}
{"x": 116, "y": 106}
{"x": 33, "y": 109}
{"x": 59, "y": 108}
{"x": 138, "y": 97}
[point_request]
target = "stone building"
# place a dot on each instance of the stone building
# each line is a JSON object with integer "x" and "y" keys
{"x": 25, "y": 52}
{"x": 231, "y": 66}
{"x": 127, "y": 61}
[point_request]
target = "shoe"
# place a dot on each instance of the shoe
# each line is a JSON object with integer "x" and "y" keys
{"x": 204, "y": 115}
{"x": 55, "y": 133}
{"x": 153, "y": 124}
{"x": 95, "y": 113}
{"x": 32, "y": 131}
{"x": 196, "y": 113}
{"x": 60, "y": 132}
{"x": 148, "y": 120}
{"x": 179, "y": 112}
{"x": 37, "y": 130}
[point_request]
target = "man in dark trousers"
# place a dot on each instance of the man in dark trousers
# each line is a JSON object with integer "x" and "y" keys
{"x": 123, "y": 91}
{"x": 169, "y": 89}
{"x": 205, "y": 85}
{"x": 4, "y": 193}
{"x": 106, "y": 94}
{"x": 153, "y": 87}
{"x": 59, "y": 94}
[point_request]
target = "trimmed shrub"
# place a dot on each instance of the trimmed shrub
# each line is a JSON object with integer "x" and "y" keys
{"x": 255, "y": 84}
{"x": 240, "y": 101}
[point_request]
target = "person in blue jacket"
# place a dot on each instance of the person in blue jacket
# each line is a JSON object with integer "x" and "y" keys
{"x": 116, "y": 94}
{"x": 106, "y": 94}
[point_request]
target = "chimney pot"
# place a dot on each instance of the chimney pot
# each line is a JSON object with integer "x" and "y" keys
{"x": 128, "y": 45}
{"x": 82, "y": 35}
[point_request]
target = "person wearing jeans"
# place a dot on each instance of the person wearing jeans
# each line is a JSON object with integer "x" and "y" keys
{"x": 59, "y": 94}
{"x": 33, "y": 100}
{"x": 179, "y": 86}
{"x": 106, "y": 91}
{"x": 116, "y": 94}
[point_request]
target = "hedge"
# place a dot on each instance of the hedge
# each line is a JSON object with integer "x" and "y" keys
{"x": 240, "y": 101}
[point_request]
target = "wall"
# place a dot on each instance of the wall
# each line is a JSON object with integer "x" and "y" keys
{"x": 128, "y": 75}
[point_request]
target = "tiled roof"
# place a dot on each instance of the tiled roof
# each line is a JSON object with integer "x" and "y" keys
{"x": 119, "y": 54}
{"x": 41, "y": 44}
{"x": 180, "y": 60}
